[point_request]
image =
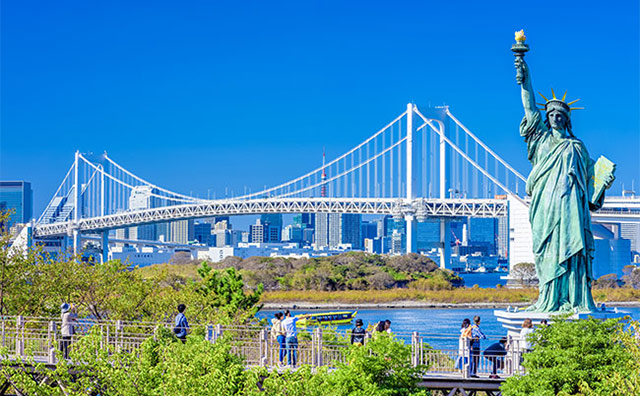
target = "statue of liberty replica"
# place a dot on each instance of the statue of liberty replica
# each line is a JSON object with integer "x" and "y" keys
{"x": 565, "y": 184}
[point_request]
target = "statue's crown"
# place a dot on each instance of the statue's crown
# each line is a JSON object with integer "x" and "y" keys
{"x": 558, "y": 104}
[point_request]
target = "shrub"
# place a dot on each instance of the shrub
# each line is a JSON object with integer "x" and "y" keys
{"x": 583, "y": 357}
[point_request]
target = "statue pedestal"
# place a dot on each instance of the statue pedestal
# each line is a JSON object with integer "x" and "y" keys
{"x": 512, "y": 321}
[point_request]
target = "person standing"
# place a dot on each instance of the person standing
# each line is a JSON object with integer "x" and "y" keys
{"x": 181, "y": 325}
{"x": 476, "y": 336}
{"x": 464, "y": 344}
{"x": 67, "y": 329}
{"x": 527, "y": 328}
{"x": 358, "y": 333}
{"x": 279, "y": 335}
{"x": 291, "y": 333}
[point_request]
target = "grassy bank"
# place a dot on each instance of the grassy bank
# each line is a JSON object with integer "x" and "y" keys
{"x": 461, "y": 295}
{"x": 455, "y": 296}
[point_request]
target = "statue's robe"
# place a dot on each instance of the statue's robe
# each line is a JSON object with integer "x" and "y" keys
{"x": 560, "y": 219}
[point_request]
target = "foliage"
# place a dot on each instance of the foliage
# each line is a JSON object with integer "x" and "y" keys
{"x": 164, "y": 366}
{"x": 525, "y": 273}
{"x": 436, "y": 297}
{"x": 224, "y": 291}
{"x": 609, "y": 281}
{"x": 381, "y": 367}
{"x": 439, "y": 281}
{"x": 33, "y": 283}
{"x": 631, "y": 276}
{"x": 347, "y": 271}
{"x": 585, "y": 357}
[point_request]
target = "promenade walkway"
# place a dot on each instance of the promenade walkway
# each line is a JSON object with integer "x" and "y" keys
{"x": 26, "y": 337}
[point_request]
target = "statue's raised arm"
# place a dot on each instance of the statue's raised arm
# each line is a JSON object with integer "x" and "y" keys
{"x": 523, "y": 78}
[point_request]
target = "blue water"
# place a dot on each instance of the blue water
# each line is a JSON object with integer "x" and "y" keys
{"x": 440, "y": 326}
{"x": 483, "y": 280}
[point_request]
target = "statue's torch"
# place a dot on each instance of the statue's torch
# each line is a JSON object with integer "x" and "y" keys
{"x": 519, "y": 49}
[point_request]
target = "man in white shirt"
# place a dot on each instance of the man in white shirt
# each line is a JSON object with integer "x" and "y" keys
{"x": 291, "y": 330}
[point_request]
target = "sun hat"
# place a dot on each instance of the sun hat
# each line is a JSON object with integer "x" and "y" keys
{"x": 65, "y": 307}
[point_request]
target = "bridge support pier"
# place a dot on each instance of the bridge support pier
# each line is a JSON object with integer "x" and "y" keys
{"x": 77, "y": 243}
{"x": 444, "y": 248}
{"x": 412, "y": 233}
{"x": 105, "y": 246}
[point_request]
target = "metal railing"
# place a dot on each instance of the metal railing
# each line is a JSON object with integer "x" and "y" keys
{"x": 23, "y": 337}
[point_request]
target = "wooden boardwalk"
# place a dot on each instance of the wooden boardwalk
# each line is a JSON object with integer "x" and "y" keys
{"x": 35, "y": 340}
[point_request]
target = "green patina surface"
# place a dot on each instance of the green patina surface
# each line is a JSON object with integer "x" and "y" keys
{"x": 560, "y": 203}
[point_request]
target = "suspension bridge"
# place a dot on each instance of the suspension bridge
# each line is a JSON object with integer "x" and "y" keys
{"x": 419, "y": 166}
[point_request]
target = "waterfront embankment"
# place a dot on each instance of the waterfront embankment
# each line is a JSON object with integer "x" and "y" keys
{"x": 407, "y": 298}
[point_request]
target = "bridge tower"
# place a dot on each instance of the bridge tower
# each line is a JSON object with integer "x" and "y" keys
{"x": 410, "y": 218}
{"x": 77, "y": 209}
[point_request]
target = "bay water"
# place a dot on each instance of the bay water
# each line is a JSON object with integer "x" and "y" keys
{"x": 440, "y": 326}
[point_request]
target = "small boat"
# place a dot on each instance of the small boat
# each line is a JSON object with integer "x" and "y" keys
{"x": 326, "y": 318}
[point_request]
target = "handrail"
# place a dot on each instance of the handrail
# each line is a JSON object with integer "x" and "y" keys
{"x": 319, "y": 347}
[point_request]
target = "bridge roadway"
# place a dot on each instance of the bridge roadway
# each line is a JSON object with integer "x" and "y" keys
{"x": 29, "y": 340}
{"x": 419, "y": 207}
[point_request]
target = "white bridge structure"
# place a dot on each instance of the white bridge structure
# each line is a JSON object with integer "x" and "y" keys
{"x": 417, "y": 167}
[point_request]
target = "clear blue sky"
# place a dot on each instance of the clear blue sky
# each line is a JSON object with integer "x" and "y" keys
{"x": 206, "y": 95}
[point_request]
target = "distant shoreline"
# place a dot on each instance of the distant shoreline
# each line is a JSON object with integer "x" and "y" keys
{"x": 413, "y": 305}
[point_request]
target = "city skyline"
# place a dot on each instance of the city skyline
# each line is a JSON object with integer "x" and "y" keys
{"x": 176, "y": 120}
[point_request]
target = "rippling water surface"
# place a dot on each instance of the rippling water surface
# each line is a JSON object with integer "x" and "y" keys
{"x": 432, "y": 322}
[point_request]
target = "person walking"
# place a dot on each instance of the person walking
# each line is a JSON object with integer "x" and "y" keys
{"x": 291, "y": 334}
{"x": 358, "y": 333}
{"x": 181, "y": 325}
{"x": 476, "y": 336}
{"x": 67, "y": 329}
{"x": 464, "y": 345}
{"x": 279, "y": 335}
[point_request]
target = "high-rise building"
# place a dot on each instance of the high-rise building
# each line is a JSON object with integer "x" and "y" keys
{"x": 335, "y": 229}
{"x": 369, "y": 230}
{"x": 321, "y": 237}
{"x": 142, "y": 197}
{"x": 217, "y": 219}
{"x": 483, "y": 233}
{"x": 202, "y": 233}
{"x": 308, "y": 220}
{"x": 259, "y": 232}
{"x": 181, "y": 231}
{"x": 18, "y": 197}
{"x": 385, "y": 226}
{"x": 274, "y": 222}
{"x": 427, "y": 235}
{"x": 292, "y": 233}
{"x": 631, "y": 231}
{"x": 223, "y": 234}
{"x": 351, "y": 230}
{"x": 399, "y": 235}
{"x": 503, "y": 236}
{"x": 307, "y": 223}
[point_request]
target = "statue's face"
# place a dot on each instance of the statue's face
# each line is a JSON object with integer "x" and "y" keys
{"x": 557, "y": 119}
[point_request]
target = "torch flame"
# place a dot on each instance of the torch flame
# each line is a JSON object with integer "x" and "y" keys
{"x": 520, "y": 36}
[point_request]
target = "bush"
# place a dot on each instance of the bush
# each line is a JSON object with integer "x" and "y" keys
{"x": 583, "y": 357}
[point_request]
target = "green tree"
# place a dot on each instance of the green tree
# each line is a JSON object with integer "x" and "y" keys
{"x": 224, "y": 291}
{"x": 583, "y": 357}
